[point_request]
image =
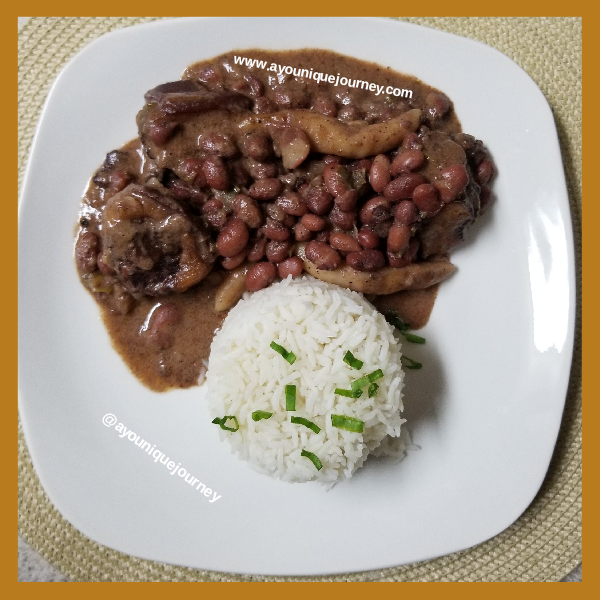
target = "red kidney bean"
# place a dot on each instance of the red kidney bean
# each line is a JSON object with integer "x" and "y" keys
{"x": 376, "y": 210}
{"x": 102, "y": 265}
{"x": 318, "y": 200}
{"x": 335, "y": 177}
{"x": 412, "y": 141}
{"x": 406, "y": 212}
{"x": 232, "y": 239}
{"x": 211, "y": 206}
{"x": 357, "y": 165}
{"x": 86, "y": 252}
{"x": 379, "y": 175}
{"x": 257, "y": 250}
{"x": 119, "y": 180}
{"x": 276, "y": 231}
{"x": 323, "y": 236}
{"x": 291, "y": 98}
{"x": 322, "y": 255}
{"x": 256, "y": 145}
{"x": 344, "y": 242}
{"x": 347, "y": 201}
{"x": 332, "y": 158}
{"x": 292, "y": 204}
{"x": 251, "y": 86}
{"x": 210, "y": 76}
{"x": 163, "y": 319}
{"x": 301, "y": 233}
{"x": 218, "y": 144}
{"x": 366, "y": 260}
{"x": 216, "y": 219}
{"x": 485, "y": 197}
{"x": 453, "y": 181}
{"x": 246, "y": 209}
{"x": 402, "y": 187}
{"x": 349, "y": 113}
{"x": 485, "y": 171}
{"x": 232, "y": 262}
{"x": 190, "y": 170}
{"x": 437, "y": 105}
{"x": 325, "y": 106}
{"x": 260, "y": 170}
{"x": 215, "y": 172}
{"x": 398, "y": 237}
{"x": 278, "y": 251}
{"x": 160, "y": 131}
{"x": 313, "y": 222}
{"x": 265, "y": 189}
{"x": 289, "y": 221}
{"x": 407, "y": 161}
{"x": 345, "y": 220}
{"x": 264, "y": 105}
{"x": 290, "y": 266}
{"x": 260, "y": 276}
{"x": 275, "y": 212}
{"x": 179, "y": 189}
{"x": 367, "y": 238}
{"x": 401, "y": 260}
{"x": 427, "y": 199}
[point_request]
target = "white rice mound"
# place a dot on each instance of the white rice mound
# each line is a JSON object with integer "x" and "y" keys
{"x": 318, "y": 322}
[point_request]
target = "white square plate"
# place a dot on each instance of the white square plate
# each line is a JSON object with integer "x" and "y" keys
{"x": 485, "y": 409}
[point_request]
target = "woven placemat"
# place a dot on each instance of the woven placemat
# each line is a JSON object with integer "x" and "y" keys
{"x": 544, "y": 544}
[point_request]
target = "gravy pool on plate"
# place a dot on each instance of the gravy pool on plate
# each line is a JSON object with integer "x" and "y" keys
{"x": 243, "y": 175}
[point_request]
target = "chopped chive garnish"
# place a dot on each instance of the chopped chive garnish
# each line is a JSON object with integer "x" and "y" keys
{"x": 349, "y": 359}
{"x": 348, "y": 393}
{"x": 359, "y": 384}
{"x": 415, "y": 339}
{"x": 223, "y": 420}
{"x": 392, "y": 317}
{"x": 289, "y": 356}
{"x": 373, "y": 390}
{"x": 313, "y": 458}
{"x": 306, "y": 423}
{"x": 257, "y": 415}
{"x": 290, "y": 397}
{"x": 347, "y": 423}
{"x": 409, "y": 363}
{"x": 375, "y": 375}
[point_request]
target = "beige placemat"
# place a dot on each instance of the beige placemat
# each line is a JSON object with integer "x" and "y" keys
{"x": 544, "y": 544}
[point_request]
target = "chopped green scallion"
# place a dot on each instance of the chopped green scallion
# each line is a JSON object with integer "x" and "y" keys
{"x": 347, "y": 423}
{"x": 409, "y": 363}
{"x": 348, "y": 393}
{"x": 306, "y": 423}
{"x": 221, "y": 422}
{"x": 359, "y": 384}
{"x": 313, "y": 458}
{"x": 290, "y": 397}
{"x": 375, "y": 375}
{"x": 391, "y": 316}
{"x": 414, "y": 339}
{"x": 289, "y": 356}
{"x": 257, "y": 415}
{"x": 373, "y": 390}
{"x": 350, "y": 359}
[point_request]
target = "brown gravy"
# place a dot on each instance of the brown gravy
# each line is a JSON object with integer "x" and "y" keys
{"x": 180, "y": 365}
